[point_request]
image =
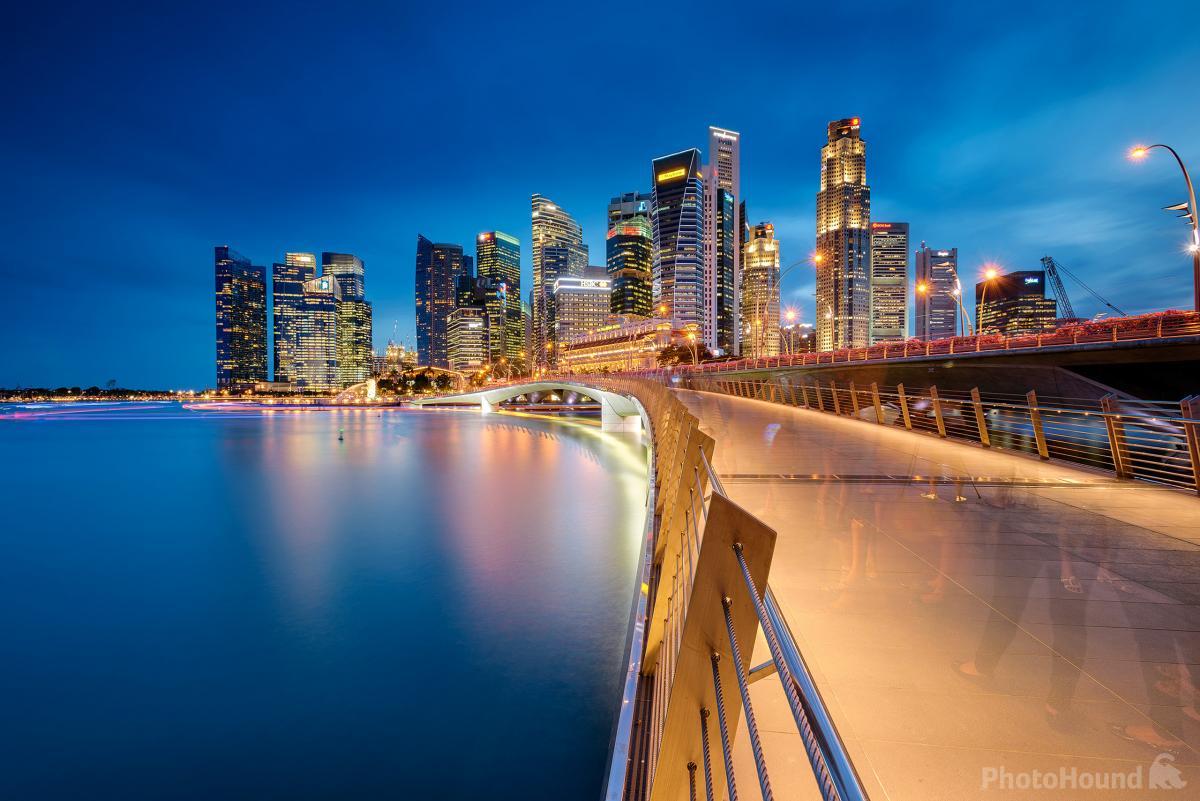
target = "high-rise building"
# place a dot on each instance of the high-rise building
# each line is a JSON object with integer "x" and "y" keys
{"x": 498, "y": 258}
{"x": 553, "y": 229}
{"x": 628, "y": 206}
{"x": 287, "y": 296}
{"x": 241, "y": 295}
{"x": 439, "y": 266}
{"x": 760, "y": 293}
{"x": 316, "y": 336}
{"x": 678, "y": 220}
{"x": 843, "y": 240}
{"x": 889, "y": 281}
{"x": 581, "y": 304}
{"x": 467, "y": 338}
{"x": 1012, "y": 304}
{"x": 629, "y": 247}
{"x": 722, "y": 251}
{"x": 354, "y": 317}
{"x": 935, "y": 306}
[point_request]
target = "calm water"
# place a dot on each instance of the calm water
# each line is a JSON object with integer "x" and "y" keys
{"x": 234, "y": 604}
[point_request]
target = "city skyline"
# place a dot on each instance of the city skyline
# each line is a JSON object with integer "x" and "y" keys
{"x": 1034, "y": 168}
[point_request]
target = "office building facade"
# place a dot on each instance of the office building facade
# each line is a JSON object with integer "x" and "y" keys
{"x": 629, "y": 251}
{"x": 1012, "y": 304}
{"x": 287, "y": 297}
{"x": 467, "y": 339}
{"x": 316, "y": 338}
{"x": 241, "y": 306}
{"x": 889, "y": 281}
{"x": 438, "y": 268}
{"x": 628, "y": 206}
{"x": 843, "y": 251}
{"x": 935, "y": 305}
{"x": 556, "y": 231}
{"x": 760, "y": 293}
{"x": 355, "y": 354}
{"x": 677, "y": 218}
{"x": 722, "y": 237}
{"x": 581, "y": 304}
{"x": 498, "y": 260}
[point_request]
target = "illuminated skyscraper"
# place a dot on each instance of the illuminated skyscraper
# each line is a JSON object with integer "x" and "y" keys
{"x": 287, "y": 295}
{"x": 354, "y": 317}
{"x": 467, "y": 338}
{"x": 628, "y": 206}
{"x": 722, "y": 239}
{"x": 629, "y": 248}
{"x": 241, "y": 295}
{"x": 678, "y": 220}
{"x": 889, "y": 281}
{"x": 438, "y": 269}
{"x": 498, "y": 257}
{"x": 760, "y": 293}
{"x": 316, "y": 336}
{"x": 553, "y": 229}
{"x": 1015, "y": 303}
{"x": 935, "y": 307}
{"x": 843, "y": 240}
{"x": 581, "y": 304}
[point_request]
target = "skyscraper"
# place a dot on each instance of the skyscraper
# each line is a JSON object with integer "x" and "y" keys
{"x": 629, "y": 251}
{"x": 316, "y": 336}
{"x": 241, "y": 295}
{"x": 889, "y": 281}
{"x": 678, "y": 221}
{"x": 581, "y": 304}
{"x": 466, "y": 338}
{"x": 555, "y": 229}
{"x": 722, "y": 251}
{"x": 843, "y": 240}
{"x": 287, "y": 296}
{"x": 354, "y": 317}
{"x": 1012, "y": 304}
{"x": 935, "y": 307}
{"x": 498, "y": 259}
{"x": 627, "y": 206}
{"x": 760, "y": 293}
{"x": 439, "y": 265}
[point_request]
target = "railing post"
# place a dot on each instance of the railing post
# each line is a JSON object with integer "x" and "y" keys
{"x": 980, "y": 419}
{"x": 904, "y": 407}
{"x": 804, "y": 392}
{"x": 1116, "y": 435}
{"x": 875, "y": 400}
{"x": 837, "y": 404}
{"x": 1035, "y": 418}
{"x": 937, "y": 411}
{"x": 853, "y": 399}
{"x": 1190, "y": 409}
{"x": 820, "y": 397}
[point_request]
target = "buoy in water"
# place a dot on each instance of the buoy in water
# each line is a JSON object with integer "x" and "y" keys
{"x": 340, "y": 436}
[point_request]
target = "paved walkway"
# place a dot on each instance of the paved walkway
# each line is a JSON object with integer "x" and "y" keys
{"x": 1076, "y": 598}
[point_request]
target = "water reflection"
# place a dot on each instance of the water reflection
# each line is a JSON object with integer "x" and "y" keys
{"x": 241, "y": 605}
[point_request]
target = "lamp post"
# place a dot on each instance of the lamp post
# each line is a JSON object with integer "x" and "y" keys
{"x": 956, "y": 294}
{"x": 1142, "y": 151}
{"x": 989, "y": 275}
{"x": 691, "y": 335}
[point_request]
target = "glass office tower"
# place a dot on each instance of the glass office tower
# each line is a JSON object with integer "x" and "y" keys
{"x": 843, "y": 240}
{"x": 677, "y": 216}
{"x": 241, "y": 303}
{"x": 889, "y": 281}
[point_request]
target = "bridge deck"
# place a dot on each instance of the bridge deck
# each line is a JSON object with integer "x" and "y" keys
{"x": 1083, "y": 592}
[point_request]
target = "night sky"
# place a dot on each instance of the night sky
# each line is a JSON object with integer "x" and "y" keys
{"x": 137, "y": 138}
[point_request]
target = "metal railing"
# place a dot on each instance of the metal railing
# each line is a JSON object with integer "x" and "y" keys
{"x": 703, "y": 600}
{"x": 1156, "y": 441}
{"x": 1158, "y": 326}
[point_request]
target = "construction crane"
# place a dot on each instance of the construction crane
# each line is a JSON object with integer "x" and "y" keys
{"x": 1066, "y": 310}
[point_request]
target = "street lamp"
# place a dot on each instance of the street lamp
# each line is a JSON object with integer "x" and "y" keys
{"x": 989, "y": 274}
{"x": 1189, "y": 213}
{"x": 691, "y": 335}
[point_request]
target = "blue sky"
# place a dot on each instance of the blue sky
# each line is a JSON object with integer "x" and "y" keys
{"x": 137, "y": 137}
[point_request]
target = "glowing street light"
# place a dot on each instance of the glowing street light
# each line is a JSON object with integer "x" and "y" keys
{"x": 989, "y": 274}
{"x": 1139, "y": 153}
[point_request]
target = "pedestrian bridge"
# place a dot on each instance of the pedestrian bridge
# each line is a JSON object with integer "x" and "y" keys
{"x": 617, "y": 412}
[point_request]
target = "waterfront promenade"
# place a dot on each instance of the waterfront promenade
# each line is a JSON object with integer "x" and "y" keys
{"x": 1046, "y": 621}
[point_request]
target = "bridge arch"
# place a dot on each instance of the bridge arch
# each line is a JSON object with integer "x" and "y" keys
{"x": 617, "y": 412}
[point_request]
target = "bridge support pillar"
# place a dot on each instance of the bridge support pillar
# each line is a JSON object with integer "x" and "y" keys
{"x": 486, "y": 406}
{"x": 610, "y": 420}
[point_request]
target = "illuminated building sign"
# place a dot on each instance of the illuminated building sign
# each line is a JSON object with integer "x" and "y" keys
{"x": 1033, "y": 279}
{"x": 671, "y": 175}
{"x": 943, "y": 253}
{"x": 324, "y": 285}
